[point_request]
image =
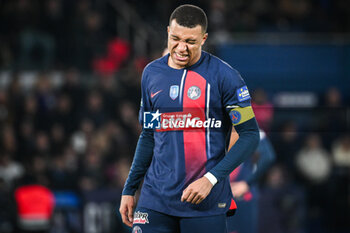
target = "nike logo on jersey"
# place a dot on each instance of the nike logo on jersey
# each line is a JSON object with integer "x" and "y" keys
{"x": 154, "y": 94}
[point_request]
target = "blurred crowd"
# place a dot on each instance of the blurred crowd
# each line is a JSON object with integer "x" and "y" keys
{"x": 58, "y": 34}
{"x": 308, "y": 189}
{"x": 60, "y": 133}
{"x": 62, "y": 33}
{"x": 74, "y": 137}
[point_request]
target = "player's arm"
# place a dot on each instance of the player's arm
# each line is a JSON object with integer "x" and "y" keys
{"x": 142, "y": 159}
{"x": 141, "y": 162}
{"x": 236, "y": 99}
{"x": 266, "y": 158}
{"x": 244, "y": 147}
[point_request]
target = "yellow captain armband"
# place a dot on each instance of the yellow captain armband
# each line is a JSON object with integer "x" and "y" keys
{"x": 240, "y": 115}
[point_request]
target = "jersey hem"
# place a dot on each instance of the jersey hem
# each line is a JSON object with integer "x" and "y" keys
{"x": 182, "y": 214}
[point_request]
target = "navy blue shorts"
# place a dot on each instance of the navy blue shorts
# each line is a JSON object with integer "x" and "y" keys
{"x": 245, "y": 218}
{"x": 150, "y": 221}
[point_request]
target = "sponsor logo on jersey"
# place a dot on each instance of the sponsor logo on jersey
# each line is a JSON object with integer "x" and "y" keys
{"x": 243, "y": 94}
{"x": 178, "y": 121}
{"x": 140, "y": 218}
{"x": 136, "y": 229}
{"x": 235, "y": 117}
{"x": 194, "y": 92}
{"x": 174, "y": 92}
{"x": 155, "y": 93}
{"x": 221, "y": 205}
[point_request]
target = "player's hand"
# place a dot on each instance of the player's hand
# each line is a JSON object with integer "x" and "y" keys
{"x": 197, "y": 191}
{"x": 126, "y": 209}
{"x": 239, "y": 188}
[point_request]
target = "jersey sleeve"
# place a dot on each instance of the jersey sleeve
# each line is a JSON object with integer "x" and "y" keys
{"x": 236, "y": 100}
{"x": 236, "y": 97}
{"x": 141, "y": 162}
{"x": 145, "y": 105}
{"x": 144, "y": 149}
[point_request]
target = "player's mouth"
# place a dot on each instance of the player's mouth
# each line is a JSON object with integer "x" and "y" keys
{"x": 181, "y": 57}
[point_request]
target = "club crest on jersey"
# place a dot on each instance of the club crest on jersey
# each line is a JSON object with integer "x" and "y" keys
{"x": 174, "y": 92}
{"x": 140, "y": 218}
{"x": 136, "y": 229}
{"x": 243, "y": 94}
{"x": 235, "y": 117}
{"x": 194, "y": 92}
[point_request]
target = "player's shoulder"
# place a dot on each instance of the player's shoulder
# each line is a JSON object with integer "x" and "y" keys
{"x": 223, "y": 66}
{"x": 153, "y": 68}
{"x": 156, "y": 65}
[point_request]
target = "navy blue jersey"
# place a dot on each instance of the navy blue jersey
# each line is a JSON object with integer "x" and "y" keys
{"x": 195, "y": 108}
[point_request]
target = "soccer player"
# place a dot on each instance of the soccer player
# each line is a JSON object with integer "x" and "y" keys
{"x": 244, "y": 186}
{"x": 190, "y": 101}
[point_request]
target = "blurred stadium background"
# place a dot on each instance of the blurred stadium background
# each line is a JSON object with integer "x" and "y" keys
{"x": 70, "y": 90}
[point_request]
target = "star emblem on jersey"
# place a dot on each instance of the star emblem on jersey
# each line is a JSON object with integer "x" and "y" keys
{"x": 156, "y": 115}
{"x": 194, "y": 92}
{"x": 174, "y": 92}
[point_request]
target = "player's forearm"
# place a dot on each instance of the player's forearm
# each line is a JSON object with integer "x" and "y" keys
{"x": 267, "y": 157}
{"x": 142, "y": 160}
{"x": 244, "y": 147}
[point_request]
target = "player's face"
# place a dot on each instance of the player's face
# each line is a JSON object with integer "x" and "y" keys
{"x": 184, "y": 45}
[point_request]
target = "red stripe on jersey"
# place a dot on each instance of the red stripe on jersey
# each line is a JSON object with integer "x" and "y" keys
{"x": 194, "y": 140}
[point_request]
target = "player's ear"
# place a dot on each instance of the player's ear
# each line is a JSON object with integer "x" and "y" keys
{"x": 205, "y": 37}
{"x": 168, "y": 29}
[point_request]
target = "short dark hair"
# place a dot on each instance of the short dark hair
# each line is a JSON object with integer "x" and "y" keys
{"x": 189, "y": 16}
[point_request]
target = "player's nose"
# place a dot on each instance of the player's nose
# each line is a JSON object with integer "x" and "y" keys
{"x": 182, "y": 47}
